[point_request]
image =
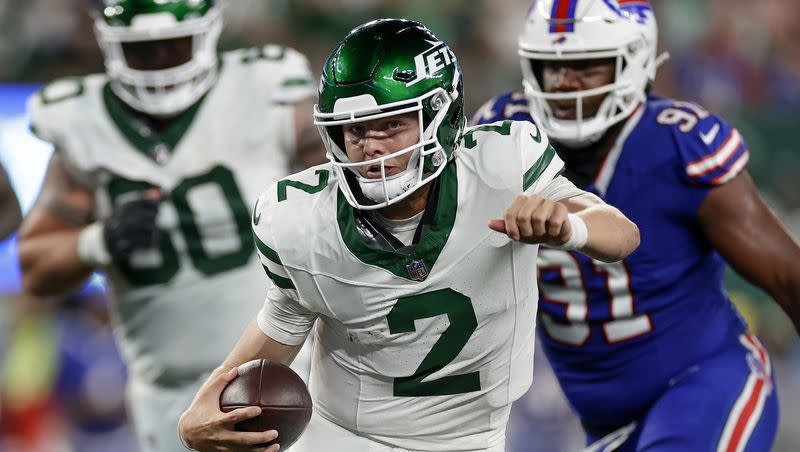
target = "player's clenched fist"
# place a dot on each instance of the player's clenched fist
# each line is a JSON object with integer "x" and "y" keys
{"x": 533, "y": 219}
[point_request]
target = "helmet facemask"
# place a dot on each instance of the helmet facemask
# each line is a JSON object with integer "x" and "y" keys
{"x": 428, "y": 156}
{"x": 162, "y": 92}
{"x": 600, "y": 32}
{"x": 381, "y": 69}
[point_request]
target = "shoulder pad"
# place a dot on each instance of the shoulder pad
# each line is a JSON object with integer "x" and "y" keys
{"x": 711, "y": 151}
{"x": 52, "y": 105}
{"x": 285, "y": 71}
{"x": 512, "y": 106}
{"x": 515, "y": 155}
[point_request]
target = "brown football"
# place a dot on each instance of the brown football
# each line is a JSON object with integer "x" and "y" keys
{"x": 281, "y": 393}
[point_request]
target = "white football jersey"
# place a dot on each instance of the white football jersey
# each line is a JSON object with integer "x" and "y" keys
{"x": 422, "y": 351}
{"x": 181, "y": 308}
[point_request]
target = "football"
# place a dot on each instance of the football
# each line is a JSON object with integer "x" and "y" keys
{"x": 279, "y": 391}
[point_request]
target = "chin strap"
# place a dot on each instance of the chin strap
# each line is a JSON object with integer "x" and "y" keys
{"x": 379, "y": 238}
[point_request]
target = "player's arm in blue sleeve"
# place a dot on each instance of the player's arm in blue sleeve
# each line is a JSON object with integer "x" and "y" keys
{"x": 753, "y": 241}
{"x": 734, "y": 217}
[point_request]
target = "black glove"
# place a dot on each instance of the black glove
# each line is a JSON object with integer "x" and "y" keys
{"x": 131, "y": 227}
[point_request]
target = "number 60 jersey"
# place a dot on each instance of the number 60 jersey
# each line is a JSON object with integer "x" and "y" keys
{"x": 203, "y": 281}
{"x": 425, "y": 350}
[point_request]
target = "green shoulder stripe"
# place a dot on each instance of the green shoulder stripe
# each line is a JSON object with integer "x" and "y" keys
{"x": 296, "y": 82}
{"x": 536, "y": 170}
{"x": 280, "y": 281}
{"x": 266, "y": 251}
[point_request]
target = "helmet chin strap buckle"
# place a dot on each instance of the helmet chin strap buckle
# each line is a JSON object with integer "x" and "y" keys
{"x": 438, "y": 101}
{"x": 437, "y": 159}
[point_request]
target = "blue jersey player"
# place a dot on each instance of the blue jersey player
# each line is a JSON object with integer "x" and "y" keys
{"x": 650, "y": 351}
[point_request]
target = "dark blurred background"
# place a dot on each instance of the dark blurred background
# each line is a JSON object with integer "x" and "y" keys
{"x": 737, "y": 58}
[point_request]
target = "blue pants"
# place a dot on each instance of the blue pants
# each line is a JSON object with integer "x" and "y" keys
{"x": 726, "y": 403}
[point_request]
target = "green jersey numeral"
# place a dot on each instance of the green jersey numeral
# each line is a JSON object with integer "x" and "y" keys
{"x": 167, "y": 267}
{"x": 459, "y": 311}
{"x": 323, "y": 182}
{"x": 503, "y": 129}
{"x": 68, "y": 88}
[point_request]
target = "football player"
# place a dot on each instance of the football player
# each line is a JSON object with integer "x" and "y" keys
{"x": 651, "y": 341}
{"x": 412, "y": 251}
{"x": 157, "y": 164}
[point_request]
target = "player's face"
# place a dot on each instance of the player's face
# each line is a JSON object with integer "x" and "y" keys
{"x": 577, "y": 75}
{"x": 159, "y": 54}
{"x": 370, "y": 140}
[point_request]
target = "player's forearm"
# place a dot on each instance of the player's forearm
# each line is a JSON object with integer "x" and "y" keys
{"x": 611, "y": 236}
{"x": 50, "y": 263}
{"x": 786, "y": 292}
{"x": 254, "y": 344}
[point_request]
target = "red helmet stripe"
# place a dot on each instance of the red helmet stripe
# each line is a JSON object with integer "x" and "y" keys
{"x": 562, "y": 16}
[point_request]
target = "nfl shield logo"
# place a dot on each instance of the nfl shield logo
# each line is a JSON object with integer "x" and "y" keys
{"x": 417, "y": 271}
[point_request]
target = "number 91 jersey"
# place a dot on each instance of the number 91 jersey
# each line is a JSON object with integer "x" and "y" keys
{"x": 203, "y": 280}
{"x": 426, "y": 350}
{"x": 663, "y": 309}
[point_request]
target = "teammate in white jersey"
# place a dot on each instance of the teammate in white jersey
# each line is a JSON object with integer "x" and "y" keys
{"x": 411, "y": 251}
{"x": 157, "y": 165}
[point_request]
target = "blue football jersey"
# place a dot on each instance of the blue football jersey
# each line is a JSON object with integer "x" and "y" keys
{"x": 617, "y": 334}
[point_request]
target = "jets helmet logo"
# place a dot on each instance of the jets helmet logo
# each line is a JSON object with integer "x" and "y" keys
{"x": 432, "y": 60}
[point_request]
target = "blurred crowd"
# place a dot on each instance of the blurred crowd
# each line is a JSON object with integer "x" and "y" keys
{"x": 737, "y": 58}
{"x": 728, "y": 54}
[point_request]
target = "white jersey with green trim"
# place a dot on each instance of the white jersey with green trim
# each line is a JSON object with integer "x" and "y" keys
{"x": 179, "y": 309}
{"x": 422, "y": 351}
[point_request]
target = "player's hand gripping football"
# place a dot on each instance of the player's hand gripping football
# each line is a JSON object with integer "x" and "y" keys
{"x": 205, "y": 427}
{"x": 132, "y": 226}
{"x": 533, "y": 219}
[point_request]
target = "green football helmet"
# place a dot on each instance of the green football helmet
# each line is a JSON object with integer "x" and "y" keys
{"x": 383, "y": 68}
{"x": 162, "y": 92}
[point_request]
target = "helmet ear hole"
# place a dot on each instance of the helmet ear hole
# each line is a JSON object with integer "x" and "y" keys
{"x": 337, "y": 135}
{"x": 536, "y": 69}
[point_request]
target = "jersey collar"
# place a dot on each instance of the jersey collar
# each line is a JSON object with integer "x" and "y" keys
{"x": 606, "y": 172}
{"x": 144, "y": 138}
{"x": 419, "y": 261}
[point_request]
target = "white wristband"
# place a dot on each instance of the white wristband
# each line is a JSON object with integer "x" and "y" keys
{"x": 579, "y": 237}
{"x": 92, "y": 249}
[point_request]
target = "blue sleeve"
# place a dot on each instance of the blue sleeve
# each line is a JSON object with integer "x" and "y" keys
{"x": 712, "y": 153}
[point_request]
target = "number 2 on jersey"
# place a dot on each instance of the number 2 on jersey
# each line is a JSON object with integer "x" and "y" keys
{"x": 569, "y": 289}
{"x": 459, "y": 311}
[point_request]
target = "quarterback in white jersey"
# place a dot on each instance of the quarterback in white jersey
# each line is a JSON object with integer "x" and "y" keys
{"x": 153, "y": 178}
{"x": 424, "y": 308}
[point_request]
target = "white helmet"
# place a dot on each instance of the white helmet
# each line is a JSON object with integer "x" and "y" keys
{"x": 163, "y": 92}
{"x": 563, "y": 30}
